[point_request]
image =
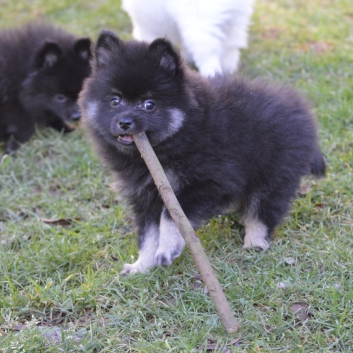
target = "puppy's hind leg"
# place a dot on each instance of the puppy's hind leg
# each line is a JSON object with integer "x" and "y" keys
{"x": 256, "y": 234}
{"x": 264, "y": 213}
{"x": 257, "y": 231}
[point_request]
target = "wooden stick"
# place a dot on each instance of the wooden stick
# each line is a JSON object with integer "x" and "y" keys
{"x": 188, "y": 233}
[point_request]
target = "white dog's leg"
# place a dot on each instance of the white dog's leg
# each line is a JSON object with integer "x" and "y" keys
{"x": 203, "y": 41}
{"x": 230, "y": 60}
{"x": 206, "y": 52}
{"x": 236, "y": 34}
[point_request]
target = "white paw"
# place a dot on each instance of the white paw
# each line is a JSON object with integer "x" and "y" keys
{"x": 256, "y": 243}
{"x": 171, "y": 242}
{"x": 147, "y": 252}
{"x": 166, "y": 255}
{"x": 255, "y": 235}
{"x": 137, "y": 267}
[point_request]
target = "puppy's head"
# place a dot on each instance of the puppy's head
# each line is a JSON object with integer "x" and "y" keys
{"x": 59, "y": 69}
{"x": 134, "y": 87}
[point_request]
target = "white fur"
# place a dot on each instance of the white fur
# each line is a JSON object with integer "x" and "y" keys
{"x": 171, "y": 242}
{"x": 160, "y": 247}
{"x": 209, "y": 33}
{"x": 147, "y": 259}
{"x": 255, "y": 234}
{"x": 91, "y": 110}
{"x": 177, "y": 120}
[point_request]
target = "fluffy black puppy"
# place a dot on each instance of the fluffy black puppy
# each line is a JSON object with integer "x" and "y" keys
{"x": 42, "y": 69}
{"x": 223, "y": 143}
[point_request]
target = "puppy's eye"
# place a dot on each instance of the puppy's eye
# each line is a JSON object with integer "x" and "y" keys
{"x": 149, "y": 105}
{"x": 115, "y": 101}
{"x": 60, "y": 98}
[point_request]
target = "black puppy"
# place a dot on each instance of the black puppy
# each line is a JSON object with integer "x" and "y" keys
{"x": 223, "y": 143}
{"x": 42, "y": 69}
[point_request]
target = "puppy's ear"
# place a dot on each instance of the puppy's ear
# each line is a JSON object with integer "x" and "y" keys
{"x": 82, "y": 47}
{"x": 106, "y": 43}
{"x": 47, "y": 55}
{"x": 168, "y": 58}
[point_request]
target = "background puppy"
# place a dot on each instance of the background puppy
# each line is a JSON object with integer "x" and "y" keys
{"x": 209, "y": 33}
{"x": 41, "y": 73}
{"x": 223, "y": 143}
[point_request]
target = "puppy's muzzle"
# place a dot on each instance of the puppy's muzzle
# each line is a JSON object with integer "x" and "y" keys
{"x": 75, "y": 116}
{"x": 122, "y": 128}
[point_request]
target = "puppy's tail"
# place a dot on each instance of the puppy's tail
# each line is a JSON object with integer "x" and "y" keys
{"x": 318, "y": 166}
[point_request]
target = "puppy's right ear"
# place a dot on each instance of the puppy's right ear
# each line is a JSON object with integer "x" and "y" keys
{"x": 106, "y": 43}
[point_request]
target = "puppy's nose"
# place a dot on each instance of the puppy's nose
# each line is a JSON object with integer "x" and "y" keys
{"x": 125, "y": 123}
{"x": 75, "y": 116}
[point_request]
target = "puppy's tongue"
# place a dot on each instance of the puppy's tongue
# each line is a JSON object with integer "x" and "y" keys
{"x": 126, "y": 138}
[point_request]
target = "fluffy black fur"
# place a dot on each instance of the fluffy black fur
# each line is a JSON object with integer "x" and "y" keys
{"x": 224, "y": 143}
{"x": 42, "y": 69}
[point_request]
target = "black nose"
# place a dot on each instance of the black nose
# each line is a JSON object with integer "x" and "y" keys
{"x": 125, "y": 123}
{"x": 75, "y": 116}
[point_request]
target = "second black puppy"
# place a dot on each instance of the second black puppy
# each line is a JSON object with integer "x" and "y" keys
{"x": 42, "y": 69}
{"x": 223, "y": 143}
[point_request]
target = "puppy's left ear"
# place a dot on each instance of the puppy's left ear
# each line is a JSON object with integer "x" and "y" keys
{"x": 107, "y": 44}
{"x": 168, "y": 58}
{"x": 82, "y": 47}
{"x": 47, "y": 55}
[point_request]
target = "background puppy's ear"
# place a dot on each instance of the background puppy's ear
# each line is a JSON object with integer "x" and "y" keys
{"x": 169, "y": 59}
{"x": 106, "y": 43}
{"x": 47, "y": 55}
{"x": 82, "y": 47}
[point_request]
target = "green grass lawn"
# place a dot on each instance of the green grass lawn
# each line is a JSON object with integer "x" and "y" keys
{"x": 60, "y": 289}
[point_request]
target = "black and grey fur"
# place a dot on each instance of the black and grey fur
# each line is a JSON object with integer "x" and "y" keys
{"x": 42, "y": 69}
{"x": 223, "y": 143}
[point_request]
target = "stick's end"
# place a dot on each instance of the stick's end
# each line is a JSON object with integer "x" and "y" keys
{"x": 234, "y": 329}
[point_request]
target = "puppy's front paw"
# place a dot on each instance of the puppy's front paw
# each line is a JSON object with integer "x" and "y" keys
{"x": 171, "y": 242}
{"x": 165, "y": 255}
{"x": 136, "y": 267}
{"x": 147, "y": 251}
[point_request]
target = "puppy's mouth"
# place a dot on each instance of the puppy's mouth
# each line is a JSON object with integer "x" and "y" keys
{"x": 125, "y": 139}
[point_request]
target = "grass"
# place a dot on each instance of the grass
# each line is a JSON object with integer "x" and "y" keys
{"x": 60, "y": 289}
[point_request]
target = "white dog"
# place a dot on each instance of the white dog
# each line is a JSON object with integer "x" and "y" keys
{"x": 209, "y": 33}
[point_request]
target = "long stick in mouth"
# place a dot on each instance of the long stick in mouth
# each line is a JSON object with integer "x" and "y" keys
{"x": 192, "y": 241}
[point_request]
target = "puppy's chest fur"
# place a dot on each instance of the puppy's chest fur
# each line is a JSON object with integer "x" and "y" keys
{"x": 135, "y": 182}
